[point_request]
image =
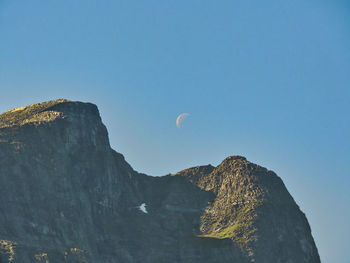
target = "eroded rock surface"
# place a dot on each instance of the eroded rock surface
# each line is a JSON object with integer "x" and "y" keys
{"x": 66, "y": 196}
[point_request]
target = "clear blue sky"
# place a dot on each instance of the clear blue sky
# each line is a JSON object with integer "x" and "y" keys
{"x": 265, "y": 79}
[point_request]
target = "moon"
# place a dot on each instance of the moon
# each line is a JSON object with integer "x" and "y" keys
{"x": 180, "y": 118}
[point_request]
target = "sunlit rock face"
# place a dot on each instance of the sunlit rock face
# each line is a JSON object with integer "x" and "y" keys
{"x": 66, "y": 196}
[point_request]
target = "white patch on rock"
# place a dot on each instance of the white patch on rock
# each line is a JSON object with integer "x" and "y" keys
{"x": 142, "y": 207}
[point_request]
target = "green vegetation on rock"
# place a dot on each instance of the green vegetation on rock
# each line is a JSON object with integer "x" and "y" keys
{"x": 34, "y": 113}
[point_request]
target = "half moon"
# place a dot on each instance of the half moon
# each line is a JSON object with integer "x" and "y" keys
{"x": 180, "y": 118}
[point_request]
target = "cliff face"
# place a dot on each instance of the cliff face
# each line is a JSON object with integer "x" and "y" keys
{"x": 253, "y": 208}
{"x": 66, "y": 196}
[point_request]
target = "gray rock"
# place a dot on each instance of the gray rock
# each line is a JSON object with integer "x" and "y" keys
{"x": 66, "y": 196}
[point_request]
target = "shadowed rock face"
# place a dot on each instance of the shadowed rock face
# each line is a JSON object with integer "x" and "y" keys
{"x": 66, "y": 196}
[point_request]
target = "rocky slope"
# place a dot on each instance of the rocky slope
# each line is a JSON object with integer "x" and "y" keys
{"x": 66, "y": 196}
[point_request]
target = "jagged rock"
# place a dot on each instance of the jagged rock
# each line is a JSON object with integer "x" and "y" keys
{"x": 66, "y": 196}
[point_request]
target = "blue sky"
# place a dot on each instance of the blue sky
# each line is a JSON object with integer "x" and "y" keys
{"x": 265, "y": 79}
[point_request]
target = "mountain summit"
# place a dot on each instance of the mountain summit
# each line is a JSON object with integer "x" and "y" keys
{"x": 66, "y": 196}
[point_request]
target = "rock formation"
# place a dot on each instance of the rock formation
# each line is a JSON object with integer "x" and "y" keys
{"x": 66, "y": 196}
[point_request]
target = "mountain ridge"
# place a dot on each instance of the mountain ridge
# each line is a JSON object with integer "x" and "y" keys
{"x": 72, "y": 198}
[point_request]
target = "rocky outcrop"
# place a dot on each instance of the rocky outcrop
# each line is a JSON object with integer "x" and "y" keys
{"x": 66, "y": 196}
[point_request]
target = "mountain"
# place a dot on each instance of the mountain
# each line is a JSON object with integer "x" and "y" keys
{"x": 67, "y": 196}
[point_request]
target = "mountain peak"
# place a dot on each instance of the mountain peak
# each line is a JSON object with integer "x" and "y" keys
{"x": 235, "y": 157}
{"x": 45, "y": 112}
{"x": 61, "y": 123}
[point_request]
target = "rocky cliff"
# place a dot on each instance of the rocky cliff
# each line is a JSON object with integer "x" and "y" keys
{"x": 66, "y": 196}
